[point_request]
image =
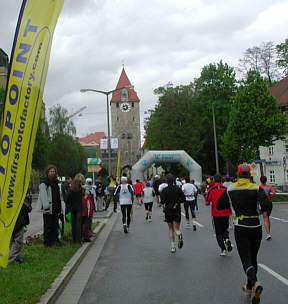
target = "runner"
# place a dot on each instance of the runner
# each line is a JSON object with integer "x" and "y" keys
{"x": 171, "y": 198}
{"x": 244, "y": 197}
{"x": 138, "y": 192}
{"x": 148, "y": 195}
{"x": 189, "y": 191}
{"x": 156, "y": 184}
{"x": 126, "y": 196}
{"x": 220, "y": 217}
{"x": 269, "y": 192}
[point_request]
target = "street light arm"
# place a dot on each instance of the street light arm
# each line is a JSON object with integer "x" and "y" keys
{"x": 105, "y": 93}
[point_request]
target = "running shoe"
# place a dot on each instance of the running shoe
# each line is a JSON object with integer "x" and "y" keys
{"x": 223, "y": 253}
{"x": 125, "y": 228}
{"x": 150, "y": 219}
{"x": 228, "y": 245}
{"x": 146, "y": 218}
{"x": 173, "y": 249}
{"x": 180, "y": 241}
{"x": 256, "y": 292}
{"x": 194, "y": 228}
{"x": 268, "y": 237}
{"x": 248, "y": 292}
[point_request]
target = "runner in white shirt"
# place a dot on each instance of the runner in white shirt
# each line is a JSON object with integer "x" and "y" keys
{"x": 189, "y": 191}
{"x": 148, "y": 196}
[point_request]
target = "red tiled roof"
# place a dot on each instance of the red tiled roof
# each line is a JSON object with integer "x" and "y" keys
{"x": 280, "y": 92}
{"x": 93, "y": 137}
{"x": 124, "y": 81}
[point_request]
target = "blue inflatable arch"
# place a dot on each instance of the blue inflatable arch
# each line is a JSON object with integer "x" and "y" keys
{"x": 181, "y": 157}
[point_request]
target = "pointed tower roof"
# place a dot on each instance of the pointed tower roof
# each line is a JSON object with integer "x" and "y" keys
{"x": 122, "y": 82}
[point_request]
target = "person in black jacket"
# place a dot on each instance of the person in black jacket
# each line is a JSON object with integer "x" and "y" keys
{"x": 171, "y": 197}
{"x": 17, "y": 238}
{"x": 49, "y": 202}
{"x": 245, "y": 197}
{"x": 74, "y": 203}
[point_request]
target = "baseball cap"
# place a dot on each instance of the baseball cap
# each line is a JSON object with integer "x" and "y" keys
{"x": 244, "y": 169}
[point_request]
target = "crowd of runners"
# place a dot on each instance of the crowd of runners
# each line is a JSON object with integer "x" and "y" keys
{"x": 239, "y": 204}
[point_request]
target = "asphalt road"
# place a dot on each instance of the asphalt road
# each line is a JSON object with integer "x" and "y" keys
{"x": 139, "y": 268}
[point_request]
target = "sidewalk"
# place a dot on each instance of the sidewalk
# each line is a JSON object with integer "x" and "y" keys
{"x": 67, "y": 288}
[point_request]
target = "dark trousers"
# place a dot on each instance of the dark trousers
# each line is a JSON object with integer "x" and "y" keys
{"x": 86, "y": 227}
{"x": 248, "y": 242}
{"x": 50, "y": 229}
{"x": 191, "y": 205}
{"x": 221, "y": 225}
{"x": 76, "y": 218}
{"x": 111, "y": 197}
{"x": 126, "y": 214}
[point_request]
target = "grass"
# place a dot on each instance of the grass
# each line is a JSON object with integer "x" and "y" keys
{"x": 280, "y": 198}
{"x": 25, "y": 283}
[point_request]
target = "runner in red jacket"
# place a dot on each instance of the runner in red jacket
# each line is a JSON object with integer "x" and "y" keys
{"x": 220, "y": 217}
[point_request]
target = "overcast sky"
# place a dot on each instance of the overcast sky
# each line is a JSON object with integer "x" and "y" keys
{"x": 158, "y": 41}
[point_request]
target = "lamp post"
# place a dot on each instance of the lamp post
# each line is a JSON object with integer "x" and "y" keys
{"x": 215, "y": 139}
{"x": 107, "y": 93}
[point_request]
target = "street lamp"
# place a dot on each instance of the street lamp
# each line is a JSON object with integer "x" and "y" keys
{"x": 215, "y": 139}
{"x": 107, "y": 93}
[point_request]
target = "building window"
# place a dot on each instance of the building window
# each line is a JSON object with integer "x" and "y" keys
{"x": 271, "y": 150}
{"x": 124, "y": 95}
{"x": 133, "y": 118}
{"x": 132, "y": 104}
{"x": 286, "y": 146}
{"x": 272, "y": 176}
{"x": 117, "y": 118}
{"x": 117, "y": 104}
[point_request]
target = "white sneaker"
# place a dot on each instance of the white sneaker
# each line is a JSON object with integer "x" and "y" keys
{"x": 268, "y": 237}
{"x": 223, "y": 253}
{"x": 173, "y": 249}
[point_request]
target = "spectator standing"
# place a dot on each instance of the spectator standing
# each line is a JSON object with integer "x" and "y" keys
{"x": 49, "y": 202}
{"x": 65, "y": 188}
{"x": 17, "y": 237}
{"x": 74, "y": 201}
{"x": 100, "y": 194}
{"x": 87, "y": 216}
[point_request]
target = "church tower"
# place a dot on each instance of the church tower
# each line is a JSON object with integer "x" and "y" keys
{"x": 125, "y": 117}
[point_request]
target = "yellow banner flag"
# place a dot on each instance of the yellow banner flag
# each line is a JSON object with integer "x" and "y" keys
{"x": 27, "y": 76}
{"x": 118, "y": 169}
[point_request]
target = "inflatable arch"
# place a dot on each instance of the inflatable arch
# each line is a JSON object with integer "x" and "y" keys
{"x": 195, "y": 170}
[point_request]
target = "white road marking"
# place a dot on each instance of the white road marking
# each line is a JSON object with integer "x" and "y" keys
{"x": 274, "y": 274}
{"x": 278, "y": 219}
{"x": 198, "y": 224}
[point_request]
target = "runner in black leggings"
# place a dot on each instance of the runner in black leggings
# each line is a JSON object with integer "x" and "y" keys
{"x": 244, "y": 197}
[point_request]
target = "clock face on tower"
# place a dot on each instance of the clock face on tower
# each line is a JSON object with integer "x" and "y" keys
{"x": 125, "y": 107}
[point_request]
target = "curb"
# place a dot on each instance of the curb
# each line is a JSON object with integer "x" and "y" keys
{"x": 52, "y": 294}
{"x": 106, "y": 216}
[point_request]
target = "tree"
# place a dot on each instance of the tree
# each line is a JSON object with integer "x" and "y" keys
{"x": 282, "y": 56}
{"x": 216, "y": 85}
{"x": 2, "y": 96}
{"x": 59, "y": 123}
{"x": 67, "y": 154}
{"x": 255, "y": 121}
{"x": 172, "y": 125}
{"x": 261, "y": 59}
{"x": 40, "y": 153}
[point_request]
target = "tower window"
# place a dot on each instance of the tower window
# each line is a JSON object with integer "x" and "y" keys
{"x": 132, "y": 104}
{"x": 117, "y": 104}
{"x": 124, "y": 95}
{"x": 117, "y": 118}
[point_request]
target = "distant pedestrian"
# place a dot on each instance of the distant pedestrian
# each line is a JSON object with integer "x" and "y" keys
{"x": 87, "y": 216}
{"x": 189, "y": 191}
{"x": 125, "y": 192}
{"x": 49, "y": 202}
{"x": 156, "y": 184}
{"x": 148, "y": 196}
{"x": 245, "y": 197}
{"x": 172, "y": 197}
{"x": 269, "y": 191}
{"x": 65, "y": 188}
{"x": 138, "y": 192}
{"x": 74, "y": 201}
{"x": 111, "y": 189}
{"x": 100, "y": 194}
{"x": 17, "y": 238}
